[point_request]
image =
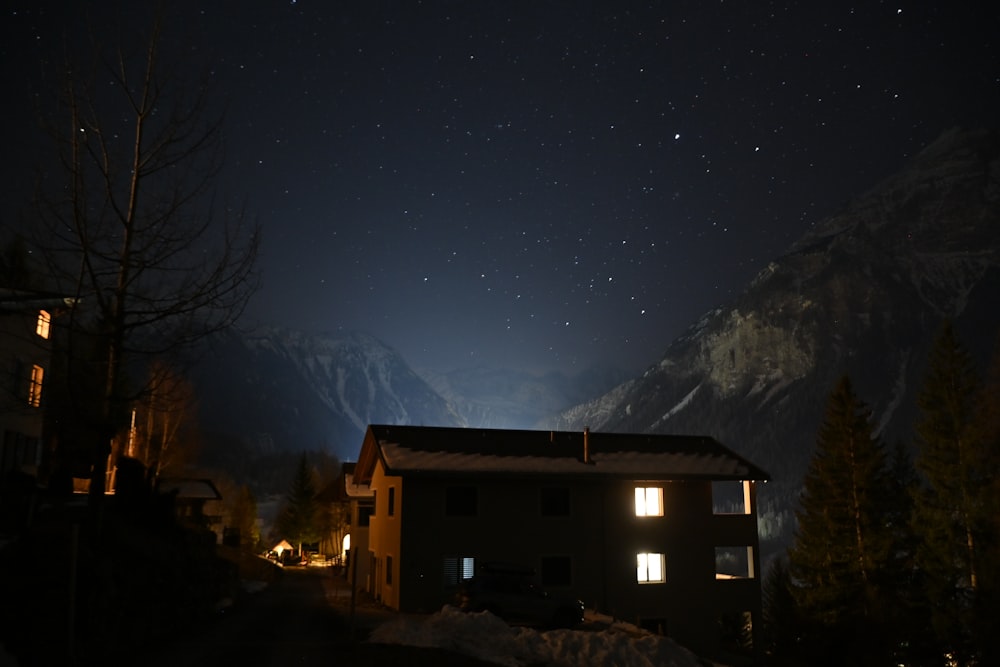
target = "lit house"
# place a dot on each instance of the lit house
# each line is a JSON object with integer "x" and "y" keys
{"x": 25, "y": 354}
{"x": 653, "y": 529}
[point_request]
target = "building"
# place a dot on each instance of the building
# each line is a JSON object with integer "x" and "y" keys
{"x": 652, "y": 529}
{"x": 26, "y": 354}
{"x": 359, "y": 500}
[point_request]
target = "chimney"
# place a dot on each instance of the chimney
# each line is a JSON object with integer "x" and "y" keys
{"x": 586, "y": 444}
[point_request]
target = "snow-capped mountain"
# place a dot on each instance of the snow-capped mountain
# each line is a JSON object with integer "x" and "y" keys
{"x": 284, "y": 390}
{"x": 864, "y": 293}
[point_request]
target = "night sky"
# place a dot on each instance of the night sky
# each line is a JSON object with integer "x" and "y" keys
{"x": 537, "y": 185}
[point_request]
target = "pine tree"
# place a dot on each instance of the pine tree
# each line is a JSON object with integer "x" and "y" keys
{"x": 842, "y": 543}
{"x": 300, "y": 522}
{"x": 954, "y": 512}
{"x": 780, "y": 617}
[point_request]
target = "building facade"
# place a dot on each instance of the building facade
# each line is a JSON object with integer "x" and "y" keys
{"x": 656, "y": 530}
{"x": 25, "y": 354}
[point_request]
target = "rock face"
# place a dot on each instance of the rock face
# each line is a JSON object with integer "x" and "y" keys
{"x": 863, "y": 294}
{"x": 278, "y": 389}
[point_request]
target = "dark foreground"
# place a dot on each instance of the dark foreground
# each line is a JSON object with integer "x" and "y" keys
{"x": 304, "y": 617}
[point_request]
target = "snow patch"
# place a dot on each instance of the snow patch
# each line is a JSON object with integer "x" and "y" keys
{"x": 486, "y": 637}
{"x": 680, "y": 406}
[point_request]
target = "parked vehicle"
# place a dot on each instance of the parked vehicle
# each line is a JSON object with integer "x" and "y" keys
{"x": 514, "y": 594}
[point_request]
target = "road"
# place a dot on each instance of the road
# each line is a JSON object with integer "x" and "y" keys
{"x": 303, "y": 618}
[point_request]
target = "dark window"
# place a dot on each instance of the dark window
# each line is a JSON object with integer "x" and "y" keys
{"x": 374, "y": 503}
{"x": 461, "y": 501}
{"x": 365, "y": 515}
{"x": 392, "y": 501}
{"x": 557, "y": 571}
{"x": 555, "y": 501}
{"x": 388, "y": 569}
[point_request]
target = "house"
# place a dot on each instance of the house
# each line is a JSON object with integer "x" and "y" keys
{"x": 25, "y": 353}
{"x": 653, "y": 529}
{"x": 360, "y": 501}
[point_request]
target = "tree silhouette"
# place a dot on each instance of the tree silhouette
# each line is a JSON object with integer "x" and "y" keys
{"x": 954, "y": 513}
{"x": 301, "y": 521}
{"x": 842, "y": 544}
{"x": 130, "y": 227}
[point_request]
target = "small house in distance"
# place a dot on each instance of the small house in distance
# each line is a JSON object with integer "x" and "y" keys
{"x": 653, "y": 529}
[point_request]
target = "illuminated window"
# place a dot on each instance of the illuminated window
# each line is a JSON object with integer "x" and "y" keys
{"x": 649, "y": 501}
{"x": 35, "y": 388}
{"x": 44, "y": 322}
{"x": 458, "y": 568}
{"x": 650, "y": 569}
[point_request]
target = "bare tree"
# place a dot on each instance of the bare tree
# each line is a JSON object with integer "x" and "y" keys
{"x": 131, "y": 227}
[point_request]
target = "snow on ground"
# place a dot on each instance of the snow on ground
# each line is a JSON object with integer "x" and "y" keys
{"x": 484, "y": 636}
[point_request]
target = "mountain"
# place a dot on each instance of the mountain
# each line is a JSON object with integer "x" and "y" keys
{"x": 281, "y": 390}
{"x": 500, "y": 398}
{"x": 274, "y": 390}
{"x": 863, "y": 293}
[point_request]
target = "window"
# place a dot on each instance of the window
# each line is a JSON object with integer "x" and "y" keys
{"x": 555, "y": 501}
{"x": 43, "y": 324}
{"x": 557, "y": 571}
{"x": 392, "y": 501}
{"x": 734, "y": 563}
{"x": 649, "y": 501}
{"x": 388, "y": 570}
{"x": 731, "y": 497}
{"x": 650, "y": 568}
{"x": 458, "y": 568}
{"x": 461, "y": 501}
{"x": 35, "y": 387}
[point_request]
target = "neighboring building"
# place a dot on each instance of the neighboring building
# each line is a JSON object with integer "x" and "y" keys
{"x": 360, "y": 501}
{"x": 25, "y": 354}
{"x": 197, "y": 502}
{"x": 653, "y": 529}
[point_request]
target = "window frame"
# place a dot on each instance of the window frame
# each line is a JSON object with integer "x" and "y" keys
{"x": 644, "y": 572}
{"x": 642, "y": 501}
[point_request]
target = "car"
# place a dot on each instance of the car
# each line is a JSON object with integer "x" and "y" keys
{"x": 514, "y": 594}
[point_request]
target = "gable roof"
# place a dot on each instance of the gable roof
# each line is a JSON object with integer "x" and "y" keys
{"x": 429, "y": 450}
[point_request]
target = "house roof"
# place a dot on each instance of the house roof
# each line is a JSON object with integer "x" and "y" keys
{"x": 415, "y": 450}
{"x": 19, "y": 300}
{"x": 188, "y": 488}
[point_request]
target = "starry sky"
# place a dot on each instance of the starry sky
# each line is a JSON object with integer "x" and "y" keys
{"x": 537, "y": 185}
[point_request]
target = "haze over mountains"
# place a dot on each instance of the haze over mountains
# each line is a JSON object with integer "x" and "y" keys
{"x": 864, "y": 293}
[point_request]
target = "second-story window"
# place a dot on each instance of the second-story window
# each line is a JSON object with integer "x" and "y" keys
{"x": 392, "y": 501}
{"x": 35, "y": 386}
{"x": 649, "y": 501}
{"x": 44, "y": 323}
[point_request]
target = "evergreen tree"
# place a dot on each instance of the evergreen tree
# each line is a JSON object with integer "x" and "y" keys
{"x": 301, "y": 521}
{"x": 843, "y": 543}
{"x": 781, "y": 628}
{"x": 954, "y": 511}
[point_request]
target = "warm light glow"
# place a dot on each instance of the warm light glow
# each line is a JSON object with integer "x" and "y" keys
{"x": 649, "y": 501}
{"x": 347, "y": 543}
{"x": 35, "y": 387}
{"x": 650, "y": 568}
{"x": 44, "y": 323}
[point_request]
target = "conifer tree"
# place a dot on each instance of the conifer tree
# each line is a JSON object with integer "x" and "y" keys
{"x": 842, "y": 542}
{"x": 954, "y": 511}
{"x": 300, "y": 522}
{"x": 780, "y": 617}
